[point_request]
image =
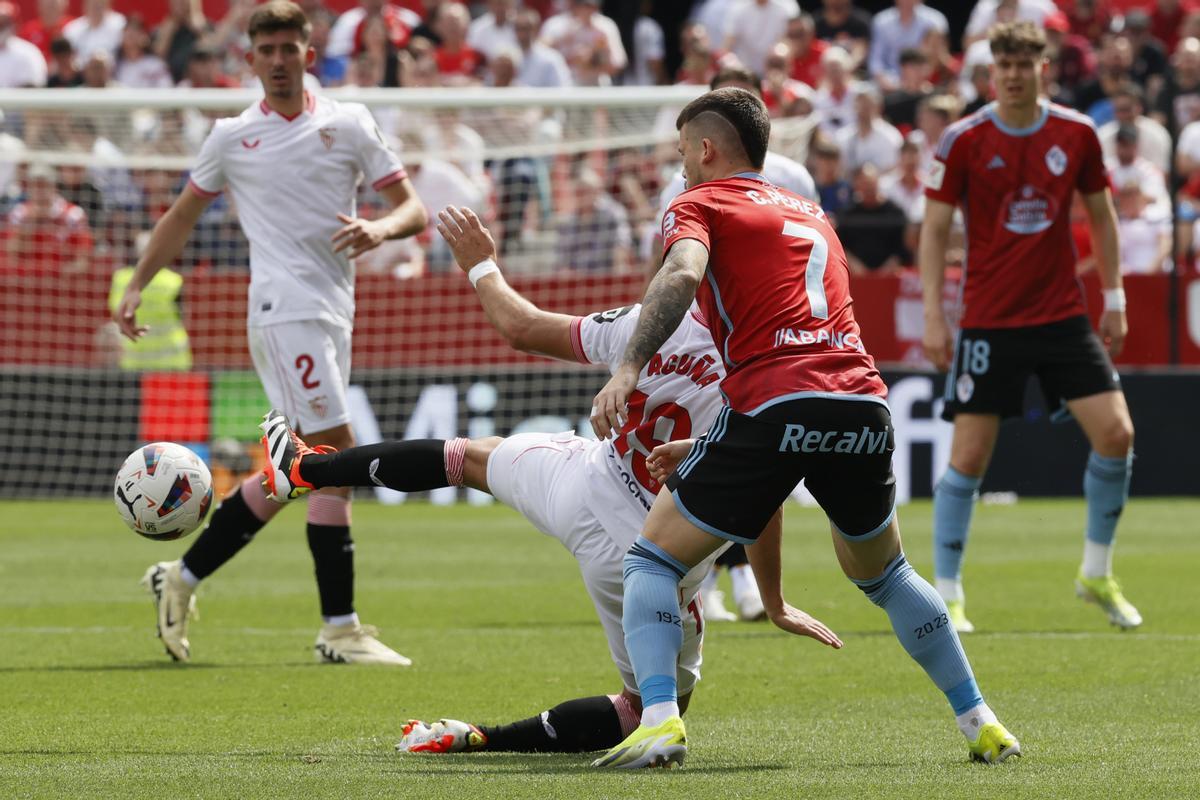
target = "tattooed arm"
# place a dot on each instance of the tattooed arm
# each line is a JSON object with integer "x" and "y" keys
{"x": 667, "y": 300}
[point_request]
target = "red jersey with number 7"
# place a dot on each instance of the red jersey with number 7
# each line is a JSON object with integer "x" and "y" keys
{"x": 1015, "y": 188}
{"x": 776, "y": 294}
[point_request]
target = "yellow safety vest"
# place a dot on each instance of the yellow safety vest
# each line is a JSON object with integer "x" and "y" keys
{"x": 165, "y": 344}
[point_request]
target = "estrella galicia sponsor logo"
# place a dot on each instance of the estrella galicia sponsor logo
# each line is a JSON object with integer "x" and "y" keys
{"x": 612, "y": 315}
{"x": 798, "y": 439}
{"x": 1029, "y": 210}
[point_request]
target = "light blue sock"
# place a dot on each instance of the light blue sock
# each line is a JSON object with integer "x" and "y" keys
{"x": 653, "y": 629}
{"x": 919, "y": 618}
{"x": 1106, "y": 488}
{"x": 953, "y": 504}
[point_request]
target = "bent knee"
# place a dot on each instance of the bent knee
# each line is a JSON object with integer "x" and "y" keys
{"x": 1116, "y": 439}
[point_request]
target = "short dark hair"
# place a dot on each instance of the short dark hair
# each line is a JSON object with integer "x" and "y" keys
{"x": 736, "y": 73}
{"x": 1017, "y": 39}
{"x": 911, "y": 55}
{"x": 1132, "y": 91}
{"x": 279, "y": 15}
{"x": 742, "y": 110}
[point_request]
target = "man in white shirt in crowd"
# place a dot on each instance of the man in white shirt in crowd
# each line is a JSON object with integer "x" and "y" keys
{"x": 99, "y": 29}
{"x": 869, "y": 139}
{"x": 755, "y": 26}
{"x": 589, "y": 41}
{"x": 541, "y": 66}
{"x": 21, "y": 63}
{"x": 492, "y": 31}
{"x": 896, "y": 29}
{"x": 1154, "y": 142}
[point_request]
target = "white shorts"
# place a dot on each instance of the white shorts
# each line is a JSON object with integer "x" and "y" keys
{"x": 544, "y": 476}
{"x": 304, "y": 367}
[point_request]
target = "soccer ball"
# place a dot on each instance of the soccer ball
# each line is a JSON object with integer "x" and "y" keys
{"x": 163, "y": 491}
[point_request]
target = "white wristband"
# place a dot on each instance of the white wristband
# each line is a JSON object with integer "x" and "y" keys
{"x": 1114, "y": 299}
{"x": 485, "y": 267}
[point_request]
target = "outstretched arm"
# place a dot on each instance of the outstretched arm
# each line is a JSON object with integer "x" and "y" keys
{"x": 523, "y": 325}
{"x": 166, "y": 241}
{"x": 667, "y": 300}
{"x": 765, "y": 559}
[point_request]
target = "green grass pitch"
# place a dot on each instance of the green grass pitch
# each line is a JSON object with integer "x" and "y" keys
{"x": 496, "y": 620}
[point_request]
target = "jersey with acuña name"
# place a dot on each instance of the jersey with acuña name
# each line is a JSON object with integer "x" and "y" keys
{"x": 1015, "y": 188}
{"x": 676, "y": 397}
{"x": 776, "y": 294}
{"x": 290, "y": 178}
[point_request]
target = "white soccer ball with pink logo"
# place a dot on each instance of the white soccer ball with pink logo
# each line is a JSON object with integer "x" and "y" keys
{"x": 163, "y": 491}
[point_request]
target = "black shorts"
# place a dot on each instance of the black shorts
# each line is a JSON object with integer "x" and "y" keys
{"x": 741, "y": 471}
{"x": 992, "y": 365}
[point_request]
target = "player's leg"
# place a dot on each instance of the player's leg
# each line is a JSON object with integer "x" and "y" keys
{"x": 745, "y": 587}
{"x": 581, "y": 725}
{"x": 412, "y": 465}
{"x": 954, "y": 498}
{"x": 1106, "y": 421}
{"x": 231, "y": 526}
{"x": 857, "y": 492}
{"x": 986, "y": 384}
{"x": 1077, "y": 369}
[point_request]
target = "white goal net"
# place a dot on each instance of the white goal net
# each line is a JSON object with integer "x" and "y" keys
{"x": 568, "y": 181}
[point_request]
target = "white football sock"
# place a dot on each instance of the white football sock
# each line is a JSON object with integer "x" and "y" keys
{"x": 658, "y": 713}
{"x": 949, "y": 588}
{"x": 188, "y": 577}
{"x": 742, "y": 577}
{"x": 1097, "y": 559}
{"x": 969, "y": 722}
{"x": 342, "y": 619}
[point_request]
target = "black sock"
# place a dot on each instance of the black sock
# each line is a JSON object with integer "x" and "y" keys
{"x": 579, "y": 726}
{"x": 230, "y": 528}
{"x": 733, "y": 557}
{"x": 415, "y": 465}
{"x": 333, "y": 559}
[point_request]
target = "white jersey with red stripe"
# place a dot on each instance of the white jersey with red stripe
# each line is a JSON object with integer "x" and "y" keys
{"x": 290, "y": 178}
{"x": 677, "y": 397}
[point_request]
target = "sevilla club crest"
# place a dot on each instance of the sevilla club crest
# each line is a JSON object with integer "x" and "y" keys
{"x": 327, "y": 137}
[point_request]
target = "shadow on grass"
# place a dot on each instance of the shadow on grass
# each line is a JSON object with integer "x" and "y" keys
{"x": 481, "y": 764}
{"x": 152, "y": 666}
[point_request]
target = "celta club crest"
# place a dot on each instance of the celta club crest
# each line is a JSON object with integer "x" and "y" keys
{"x": 327, "y": 137}
{"x": 1056, "y": 160}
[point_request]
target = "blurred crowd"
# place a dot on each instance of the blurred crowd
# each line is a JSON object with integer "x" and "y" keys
{"x": 869, "y": 93}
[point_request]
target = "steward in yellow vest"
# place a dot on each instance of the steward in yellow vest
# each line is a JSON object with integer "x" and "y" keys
{"x": 165, "y": 344}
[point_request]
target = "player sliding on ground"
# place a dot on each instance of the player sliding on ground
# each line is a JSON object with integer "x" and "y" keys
{"x": 592, "y": 496}
{"x": 1016, "y": 164}
{"x": 805, "y": 401}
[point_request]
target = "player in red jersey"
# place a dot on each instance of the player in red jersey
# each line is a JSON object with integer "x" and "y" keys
{"x": 1014, "y": 167}
{"x": 804, "y": 401}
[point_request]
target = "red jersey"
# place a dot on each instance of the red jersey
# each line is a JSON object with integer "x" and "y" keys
{"x": 1015, "y": 189}
{"x": 776, "y": 294}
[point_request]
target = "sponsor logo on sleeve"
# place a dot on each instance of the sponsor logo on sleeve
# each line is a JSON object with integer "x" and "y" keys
{"x": 937, "y": 173}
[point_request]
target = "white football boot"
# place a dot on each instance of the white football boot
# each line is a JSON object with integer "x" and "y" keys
{"x": 443, "y": 736}
{"x": 175, "y": 601}
{"x": 354, "y": 643}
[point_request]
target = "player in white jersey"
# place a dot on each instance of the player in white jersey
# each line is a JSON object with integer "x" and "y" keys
{"x": 293, "y": 163}
{"x": 791, "y": 175}
{"x": 590, "y": 495}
